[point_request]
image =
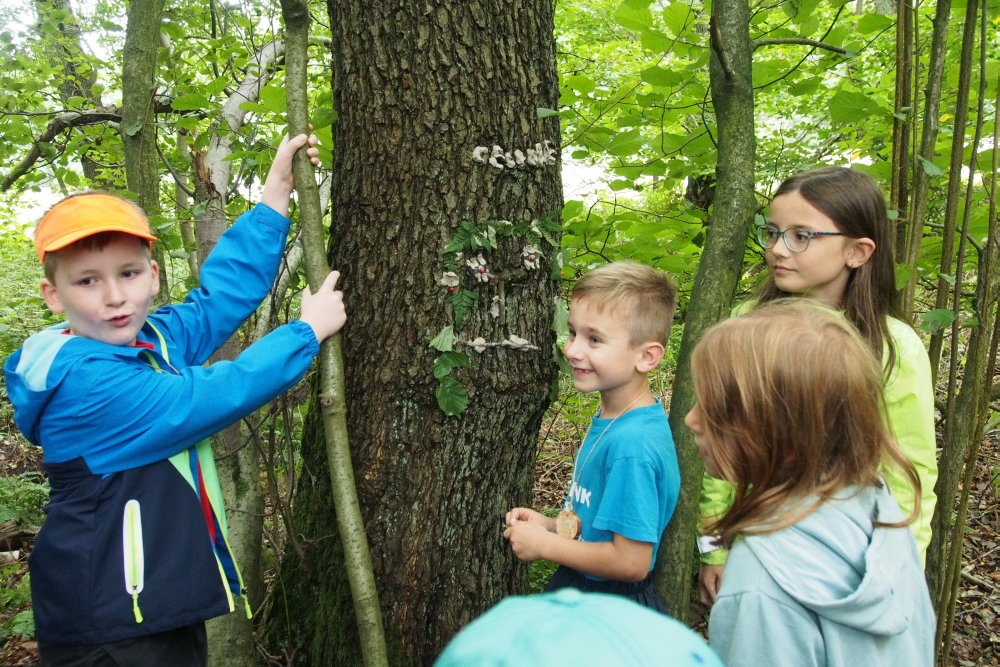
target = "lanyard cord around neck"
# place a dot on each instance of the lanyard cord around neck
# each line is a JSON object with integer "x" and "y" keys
{"x": 574, "y": 479}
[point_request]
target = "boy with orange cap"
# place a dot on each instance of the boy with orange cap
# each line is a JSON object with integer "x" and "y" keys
{"x": 133, "y": 556}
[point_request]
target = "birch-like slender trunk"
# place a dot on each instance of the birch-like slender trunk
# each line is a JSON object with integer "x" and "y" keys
{"x": 357, "y": 557}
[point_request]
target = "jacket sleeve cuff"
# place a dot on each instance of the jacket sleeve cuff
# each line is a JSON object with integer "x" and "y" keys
{"x": 306, "y": 331}
{"x": 268, "y": 216}
{"x": 717, "y": 556}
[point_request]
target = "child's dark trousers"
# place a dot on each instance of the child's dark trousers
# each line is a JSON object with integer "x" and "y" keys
{"x": 183, "y": 647}
{"x": 643, "y": 592}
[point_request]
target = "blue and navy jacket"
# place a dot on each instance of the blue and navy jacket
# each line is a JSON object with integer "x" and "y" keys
{"x": 134, "y": 542}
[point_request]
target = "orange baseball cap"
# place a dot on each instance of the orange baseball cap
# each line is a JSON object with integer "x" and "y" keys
{"x": 85, "y": 215}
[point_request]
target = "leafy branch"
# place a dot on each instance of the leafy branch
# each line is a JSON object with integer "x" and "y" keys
{"x": 57, "y": 126}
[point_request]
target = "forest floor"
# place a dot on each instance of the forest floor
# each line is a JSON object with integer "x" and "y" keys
{"x": 18, "y": 458}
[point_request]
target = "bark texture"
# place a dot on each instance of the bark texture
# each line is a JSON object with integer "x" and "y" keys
{"x": 718, "y": 275}
{"x": 928, "y": 143}
{"x": 416, "y": 88}
{"x": 142, "y": 162}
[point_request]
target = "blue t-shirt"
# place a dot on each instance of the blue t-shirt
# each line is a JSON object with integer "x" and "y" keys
{"x": 629, "y": 483}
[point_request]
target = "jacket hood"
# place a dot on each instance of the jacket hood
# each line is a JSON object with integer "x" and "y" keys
{"x": 30, "y": 381}
{"x": 32, "y": 373}
{"x": 839, "y": 565}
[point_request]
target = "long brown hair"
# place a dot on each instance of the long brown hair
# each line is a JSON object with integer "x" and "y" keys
{"x": 855, "y": 204}
{"x": 790, "y": 397}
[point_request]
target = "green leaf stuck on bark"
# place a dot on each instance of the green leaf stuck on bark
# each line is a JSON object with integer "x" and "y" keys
{"x": 451, "y": 397}
{"x": 444, "y": 341}
{"x": 444, "y": 364}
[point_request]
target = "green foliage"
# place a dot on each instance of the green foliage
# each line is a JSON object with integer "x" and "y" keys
{"x": 451, "y": 397}
{"x": 539, "y": 574}
{"x": 22, "y": 497}
{"x": 23, "y": 625}
{"x": 18, "y": 592}
{"x": 445, "y": 340}
{"x": 15, "y": 594}
{"x": 937, "y": 320}
{"x": 461, "y": 301}
{"x": 447, "y": 361}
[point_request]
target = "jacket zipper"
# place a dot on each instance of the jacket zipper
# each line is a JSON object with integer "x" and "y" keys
{"x": 133, "y": 554}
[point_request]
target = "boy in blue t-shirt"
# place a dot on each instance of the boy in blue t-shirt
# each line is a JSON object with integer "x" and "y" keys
{"x": 625, "y": 480}
{"x": 133, "y": 555}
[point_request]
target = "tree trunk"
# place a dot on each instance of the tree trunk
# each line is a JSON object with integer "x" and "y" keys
{"x": 965, "y": 420}
{"x": 238, "y": 463}
{"x": 954, "y": 179}
{"x": 718, "y": 276}
{"x": 138, "y": 125}
{"x": 928, "y": 142}
{"x": 331, "y": 395}
{"x": 230, "y": 637}
{"x": 902, "y": 125}
{"x": 416, "y": 89}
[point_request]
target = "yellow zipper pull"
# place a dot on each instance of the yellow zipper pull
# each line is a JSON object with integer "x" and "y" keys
{"x": 135, "y": 607}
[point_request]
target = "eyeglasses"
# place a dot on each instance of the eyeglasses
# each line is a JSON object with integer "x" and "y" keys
{"x": 796, "y": 239}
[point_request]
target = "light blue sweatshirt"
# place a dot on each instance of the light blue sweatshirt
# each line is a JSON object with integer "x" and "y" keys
{"x": 832, "y": 590}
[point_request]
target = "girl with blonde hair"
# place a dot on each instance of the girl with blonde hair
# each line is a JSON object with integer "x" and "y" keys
{"x": 823, "y": 570}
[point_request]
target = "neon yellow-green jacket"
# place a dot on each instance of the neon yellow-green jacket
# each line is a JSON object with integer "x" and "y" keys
{"x": 909, "y": 399}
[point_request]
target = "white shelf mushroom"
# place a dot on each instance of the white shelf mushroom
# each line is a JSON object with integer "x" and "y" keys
{"x": 494, "y": 156}
{"x": 480, "y": 153}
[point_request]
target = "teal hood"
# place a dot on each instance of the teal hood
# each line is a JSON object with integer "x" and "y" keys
{"x": 837, "y": 564}
{"x": 831, "y": 590}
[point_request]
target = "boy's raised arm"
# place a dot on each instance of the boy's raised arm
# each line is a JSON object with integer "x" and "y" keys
{"x": 239, "y": 272}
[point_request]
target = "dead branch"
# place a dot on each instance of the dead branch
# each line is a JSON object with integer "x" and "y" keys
{"x": 757, "y": 43}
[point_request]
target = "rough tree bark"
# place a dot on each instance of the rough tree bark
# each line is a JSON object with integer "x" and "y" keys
{"x": 138, "y": 126}
{"x": 718, "y": 276}
{"x": 417, "y": 87}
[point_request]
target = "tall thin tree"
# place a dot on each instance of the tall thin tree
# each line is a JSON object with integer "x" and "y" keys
{"x": 718, "y": 275}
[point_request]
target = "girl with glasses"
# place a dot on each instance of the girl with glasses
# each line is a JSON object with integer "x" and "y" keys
{"x": 828, "y": 238}
{"x": 825, "y": 572}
